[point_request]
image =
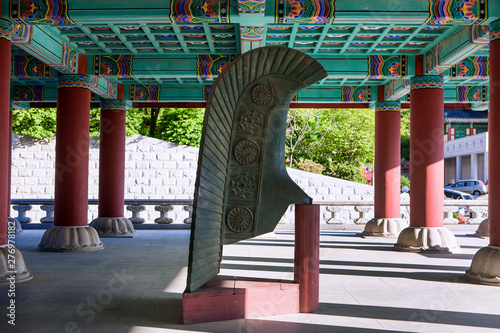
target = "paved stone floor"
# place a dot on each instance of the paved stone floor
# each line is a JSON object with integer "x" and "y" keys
{"x": 135, "y": 285}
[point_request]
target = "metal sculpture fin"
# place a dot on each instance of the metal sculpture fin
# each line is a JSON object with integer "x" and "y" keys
{"x": 242, "y": 188}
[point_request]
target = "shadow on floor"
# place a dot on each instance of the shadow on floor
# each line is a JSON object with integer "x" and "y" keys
{"x": 455, "y": 318}
{"x": 352, "y": 263}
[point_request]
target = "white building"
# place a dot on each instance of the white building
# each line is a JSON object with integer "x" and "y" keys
{"x": 466, "y": 158}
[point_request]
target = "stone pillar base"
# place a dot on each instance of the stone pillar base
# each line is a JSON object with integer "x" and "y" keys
{"x": 485, "y": 267}
{"x": 12, "y": 268}
{"x": 484, "y": 229}
{"x": 19, "y": 229}
{"x": 70, "y": 239}
{"x": 384, "y": 227}
{"x": 113, "y": 227}
{"x": 418, "y": 239}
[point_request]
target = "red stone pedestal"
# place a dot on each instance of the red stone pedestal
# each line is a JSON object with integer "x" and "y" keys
{"x": 226, "y": 298}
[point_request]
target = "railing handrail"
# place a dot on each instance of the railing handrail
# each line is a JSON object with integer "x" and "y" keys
{"x": 161, "y": 202}
{"x": 190, "y": 202}
{"x": 447, "y": 202}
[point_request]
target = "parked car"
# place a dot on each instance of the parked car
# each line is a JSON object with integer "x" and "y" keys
{"x": 472, "y": 186}
{"x": 457, "y": 195}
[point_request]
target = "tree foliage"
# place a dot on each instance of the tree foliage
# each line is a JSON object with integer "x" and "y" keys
{"x": 41, "y": 123}
{"x": 37, "y": 123}
{"x": 405, "y": 134}
{"x": 181, "y": 126}
{"x": 332, "y": 142}
{"x": 341, "y": 140}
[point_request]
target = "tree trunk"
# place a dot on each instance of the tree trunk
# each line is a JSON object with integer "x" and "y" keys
{"x": 155, "y": 112}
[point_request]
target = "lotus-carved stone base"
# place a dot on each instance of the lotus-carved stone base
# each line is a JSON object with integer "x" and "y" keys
{"x": 484, "y": 229}
{"x": 384, "y": 227}
{"x": 19, "y": 228}
{"x": 12, "y": 267}
{"x": 70, "y": 239}
{"x": 419, "y": 239}
{"x": 113, "y": 227}
{"x": 485, "y": 267}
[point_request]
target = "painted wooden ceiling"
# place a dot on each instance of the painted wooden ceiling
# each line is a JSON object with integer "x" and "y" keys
{"x": 174, "y": 50}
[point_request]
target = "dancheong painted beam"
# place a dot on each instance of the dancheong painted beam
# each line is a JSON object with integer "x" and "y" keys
{"x": 166, "y": 51}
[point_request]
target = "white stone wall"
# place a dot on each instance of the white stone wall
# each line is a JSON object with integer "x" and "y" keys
{"x": 155, "y": 169}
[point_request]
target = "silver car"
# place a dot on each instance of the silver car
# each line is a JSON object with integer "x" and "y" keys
{"x": 472, "y": 186}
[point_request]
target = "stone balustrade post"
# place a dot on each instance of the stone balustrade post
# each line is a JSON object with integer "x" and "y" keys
{"x": 136, "y": 213}
{"x": 164, "y": 219}
{"x": 49, "y": 211}
{"x": 335, "y": 212}
{"x": 21, "y": 213}
{"x": 476, "y": 214}
{"x": 448, "y": 215}
{"x": 363, "y": 211}
{"x": 189, "y": 219}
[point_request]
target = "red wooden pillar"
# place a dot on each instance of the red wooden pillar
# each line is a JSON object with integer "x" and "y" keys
{"x": 70, "y": 231}
{"x": 111, "y": 221}
{"x": 485, "y": 267}
{"x": 387, "y": 171}
{"x": 306, "y": 267}
{"x": 8, "y": 268}
{"x": 10, "y": 220}
{"x": 426, "y": 231}
{"x": 5, "y": 53}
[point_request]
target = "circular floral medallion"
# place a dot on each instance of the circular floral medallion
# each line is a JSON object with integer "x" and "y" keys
{"x": 251, "y": 121}
{"x": 246, "y": 152}
{"x": 239, "y": 219}
{"x": 261, "y": 95}
{"x": 243, "y": 185}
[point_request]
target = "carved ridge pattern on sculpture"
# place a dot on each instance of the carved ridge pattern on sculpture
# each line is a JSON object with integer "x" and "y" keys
{"x": 240, "y": 219}
{"x": 217, "y": 148}
{"x": 243, "y": 185}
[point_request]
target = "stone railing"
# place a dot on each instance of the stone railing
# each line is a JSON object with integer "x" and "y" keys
{"x": 475, "y": 211}
{"x": 134, "y": 207}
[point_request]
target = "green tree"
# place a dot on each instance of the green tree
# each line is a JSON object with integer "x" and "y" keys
{"x": 405, "y": 134}
{"x": 341, "y": 140}
{"x": 37, "y": 123}
{"x": 306, "y": 131}
{"x": 181, "y": 126}
{"x": 41, "y": 123}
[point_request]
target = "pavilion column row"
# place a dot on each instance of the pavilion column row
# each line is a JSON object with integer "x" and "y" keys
{"x": 387, "y": 171}
{"x": 8, "y": 268}
{"x": 71, "y": 231}
{"x": 426, "y": 230}
{"x": 485, "y": 266}
{"x": 111, "y": 221}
